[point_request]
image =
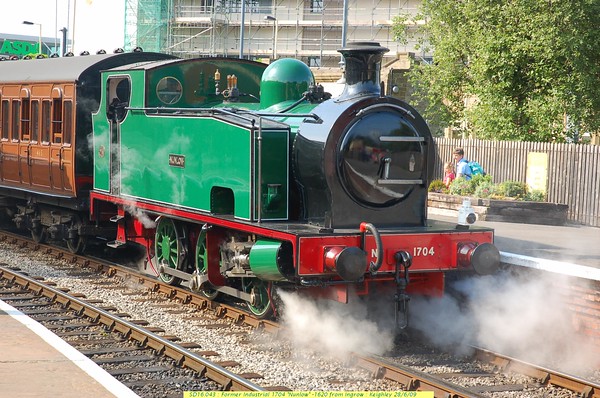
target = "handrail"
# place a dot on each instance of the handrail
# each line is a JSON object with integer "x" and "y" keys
{"x": 226, "y": 111}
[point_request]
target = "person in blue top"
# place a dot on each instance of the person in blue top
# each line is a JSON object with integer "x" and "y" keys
{"x": 462, "y": 165}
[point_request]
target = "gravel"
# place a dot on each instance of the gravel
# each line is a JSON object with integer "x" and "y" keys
{"x": 256, "y": 351}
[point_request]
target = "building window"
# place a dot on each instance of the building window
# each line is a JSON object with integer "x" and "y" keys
{"x": 252, "y": 6}
{"x": 314, "y": 62}
{"x": 316, "y": 6}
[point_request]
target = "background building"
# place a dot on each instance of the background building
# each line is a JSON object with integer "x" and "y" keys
{"x": 20, "y": 45}
{"x": 310, "y": 30}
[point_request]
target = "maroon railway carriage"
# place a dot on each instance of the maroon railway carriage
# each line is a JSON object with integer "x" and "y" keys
{"x": 46, "y": 165}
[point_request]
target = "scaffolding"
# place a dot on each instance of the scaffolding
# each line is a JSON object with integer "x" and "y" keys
{"x": 148, "y": 24}
{"x": 310, "y": 30}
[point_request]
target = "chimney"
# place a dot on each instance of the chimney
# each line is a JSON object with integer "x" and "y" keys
{"x": 363, "y": 67}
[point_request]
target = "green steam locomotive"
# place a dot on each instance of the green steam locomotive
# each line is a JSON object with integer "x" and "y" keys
{"x": 239, "y": 177}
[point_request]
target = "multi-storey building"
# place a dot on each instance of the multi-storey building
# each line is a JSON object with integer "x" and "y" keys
{"x": 311, "y": 30}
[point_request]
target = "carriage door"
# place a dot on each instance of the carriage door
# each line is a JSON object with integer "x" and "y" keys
{"x": 11, "y": 111}
{"x": 25, "y": 138}
{"x": 61, "y": 135}
{"x": 4, "y": 135}
{"x": 119, "y": 91}
{"x": 39, "y": 156}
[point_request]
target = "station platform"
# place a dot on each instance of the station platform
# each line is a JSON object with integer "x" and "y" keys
{"x": 565, "y": 246}
{"x": 34, "y": 362}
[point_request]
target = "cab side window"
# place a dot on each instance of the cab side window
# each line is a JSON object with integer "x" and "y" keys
{"x": 119, "y": 94}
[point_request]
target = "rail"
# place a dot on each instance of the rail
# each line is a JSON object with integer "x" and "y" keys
{"x": 584, "y": 388}
{"x": 227, "y": 379}
{"x": 410, "y": 378}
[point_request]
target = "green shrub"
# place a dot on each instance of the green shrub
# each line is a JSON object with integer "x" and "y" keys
{"x": 462, "y": 187}
{"x": 481, "y": 186}
{"x": 478, "y": 180}
{"x": 535, "y": 196}
{"x": 485, "y": 189}
{"x": 481, "y": 179}
{"x": 512, "y": 189}
{"x": 437, "y": 186}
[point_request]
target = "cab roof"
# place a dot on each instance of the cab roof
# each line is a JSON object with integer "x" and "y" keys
{"x": 69, "y": 69}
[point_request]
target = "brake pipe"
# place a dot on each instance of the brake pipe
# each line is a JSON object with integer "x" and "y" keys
{"x": 364, "y": 227}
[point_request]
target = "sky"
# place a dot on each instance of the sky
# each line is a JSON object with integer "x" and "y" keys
{"x": 99, "y": 24}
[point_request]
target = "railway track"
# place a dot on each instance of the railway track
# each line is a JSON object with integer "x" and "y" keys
{"x": 406, "y": 377}
{"x": 128, "y": 349}
{"x": 447, "y": 384}
{"x": 545, "y": 376}
{"x": 582, "y": 297}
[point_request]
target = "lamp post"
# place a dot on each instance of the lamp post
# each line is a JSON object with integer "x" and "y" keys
{"x": 274, "y": 20}
{"x": 242, "y": 26}
{"x": 39, "y": 37}
{"x": 342, "y": 63}
{"x": 63, "y": 50}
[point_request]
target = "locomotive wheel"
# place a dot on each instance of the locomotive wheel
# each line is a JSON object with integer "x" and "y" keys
{"x": 6, "y": 220}
{"x": 168, "y": 248}
{"x": 76, "y": 244}
{"x": 261, "y": 306}
{"x": 39, "y": 234}
{"x": 202, "y": 266}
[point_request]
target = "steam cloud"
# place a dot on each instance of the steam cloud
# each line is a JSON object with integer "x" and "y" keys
{"x": 332, "y": 328}
{"x": 524, "y": 318}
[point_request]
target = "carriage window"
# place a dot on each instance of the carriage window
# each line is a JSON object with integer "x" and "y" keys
{"x": 5, "y": 117}
{"x": 16, "y": 110}
{"x": 46, "y": 121}
{"x": 168, "y": 90}
{"x": 25, "y": 122}
{"x": 57, "y": 123}
{"x": 68, "y": 125}
{"x": 35, "y": 121}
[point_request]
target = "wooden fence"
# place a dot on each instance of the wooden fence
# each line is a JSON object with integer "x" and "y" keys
{"x": 573, "y": 170}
